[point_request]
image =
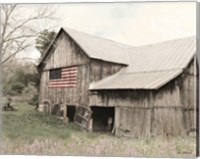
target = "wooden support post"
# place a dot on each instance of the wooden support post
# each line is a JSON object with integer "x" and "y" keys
{"x": 116, "y": 121}
{"x": 90, "y": 127}
{"x": 151, "y": 113}
{"x": 65, "y": 119}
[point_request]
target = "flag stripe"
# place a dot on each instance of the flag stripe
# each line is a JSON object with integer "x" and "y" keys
{"x": 71, "y": 70}
{"x": 63, "y": 82}
{"x": 68, "y": 78}
{"x": 68, "y": 73}
{"x": 63, "y": 79}
{"x": 62, "y": 86}
{"x": 59, "y": 83}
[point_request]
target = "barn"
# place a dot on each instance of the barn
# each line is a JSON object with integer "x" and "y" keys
{"x": 103, "y": 85}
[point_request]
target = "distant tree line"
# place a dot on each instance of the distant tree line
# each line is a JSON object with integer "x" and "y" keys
{"x": 17, "y": 35}
{"x": 22, "y": 80}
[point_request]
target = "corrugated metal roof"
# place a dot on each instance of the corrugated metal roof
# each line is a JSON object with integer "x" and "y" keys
{"x": 168, "y": 55}
{"x": 100, "y": 48}
{"x": 149, "y": 80}
{"x": 151, "y": 66}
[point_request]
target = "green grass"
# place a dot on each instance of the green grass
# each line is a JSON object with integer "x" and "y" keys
{"x": 28, "y": 131}
{"x": 28, "y": 124}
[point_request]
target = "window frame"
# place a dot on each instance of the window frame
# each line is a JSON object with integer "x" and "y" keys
{"x": 55, "y": 73}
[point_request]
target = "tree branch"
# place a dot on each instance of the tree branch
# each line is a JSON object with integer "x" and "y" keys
{"x": 20, "y": 48}
{"x": 17, "y": 32}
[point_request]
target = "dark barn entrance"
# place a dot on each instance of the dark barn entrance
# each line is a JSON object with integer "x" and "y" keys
{"x": 71, "y": 113}
{"x": 103, "y": 118}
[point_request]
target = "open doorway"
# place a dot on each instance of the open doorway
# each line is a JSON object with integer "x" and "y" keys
{"x": 103, "y": 119}
{"x": 70, "y": 113}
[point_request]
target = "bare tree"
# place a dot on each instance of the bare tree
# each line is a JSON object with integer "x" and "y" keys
{"x": 17, "y": 31}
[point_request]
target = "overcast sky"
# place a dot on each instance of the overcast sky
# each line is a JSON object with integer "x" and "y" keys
{"x": 130, "y": 23}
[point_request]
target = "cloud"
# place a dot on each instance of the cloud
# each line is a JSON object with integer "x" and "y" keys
{"x": 130, "y": 23}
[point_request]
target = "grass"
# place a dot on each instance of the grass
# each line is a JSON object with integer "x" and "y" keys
{"x": 30, "y": 132}
{"x": 28, "y": 124}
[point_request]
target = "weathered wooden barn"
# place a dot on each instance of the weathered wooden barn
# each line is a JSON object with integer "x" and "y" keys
{"x": 130, "y": 91}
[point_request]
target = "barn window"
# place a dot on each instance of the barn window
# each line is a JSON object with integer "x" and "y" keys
{"x": 55, "y": 73}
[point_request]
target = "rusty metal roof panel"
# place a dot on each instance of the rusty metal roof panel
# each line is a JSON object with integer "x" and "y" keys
{"x": 100, "y": 48}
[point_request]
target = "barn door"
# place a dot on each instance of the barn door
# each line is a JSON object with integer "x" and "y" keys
{"x": 82, "y": 117}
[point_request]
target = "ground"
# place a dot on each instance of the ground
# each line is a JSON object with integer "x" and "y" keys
{"x": 30, "y": 132}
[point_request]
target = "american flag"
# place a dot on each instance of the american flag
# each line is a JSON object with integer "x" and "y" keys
{"x": 68, "y": 78}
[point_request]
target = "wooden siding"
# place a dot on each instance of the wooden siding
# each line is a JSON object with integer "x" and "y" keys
{"x": 167, "y": 111}
{"x": 121, "y": 98}
{"x": 72, "y": 96}
{"x": 66, "y": 52}
{"x": 189, "y": 90}
{"x": 136, "y": 114}
{"x": 167, "y": 121}
{"x": 132, "y": 110}
{"x": 43, "y": 90}
{"x": 175, "y": 104}
{"x": 100, "y": 69}
{"x": 133, "y": 122}
{"x": 168, "y": 96}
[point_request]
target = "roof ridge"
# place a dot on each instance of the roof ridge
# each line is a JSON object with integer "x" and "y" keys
{"x": 95, "y": 36}
{"x": 99, "y": 47}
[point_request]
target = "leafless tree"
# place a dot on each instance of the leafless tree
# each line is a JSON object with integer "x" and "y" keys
{"x": 16, "y": 31}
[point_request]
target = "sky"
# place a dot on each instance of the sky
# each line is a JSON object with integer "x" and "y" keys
{"x": 135, "y": 23}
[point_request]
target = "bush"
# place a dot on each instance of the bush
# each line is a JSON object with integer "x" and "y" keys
{"x": 21, "y": 81}
{"x": 17, "y": 87}
{"x": 34, "y": 100}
